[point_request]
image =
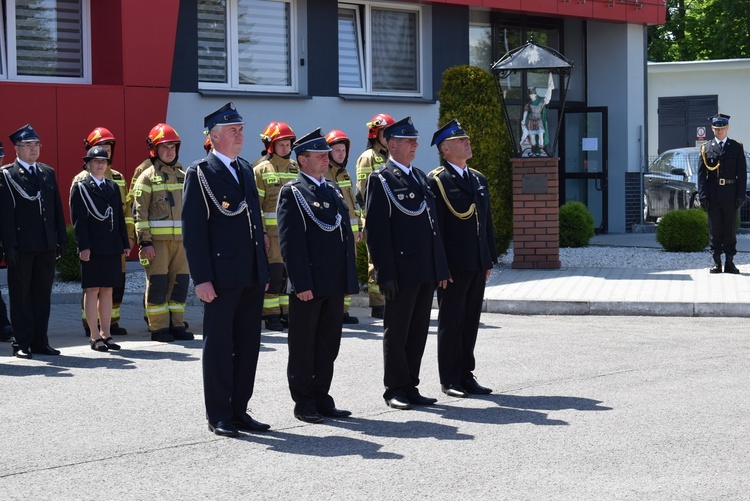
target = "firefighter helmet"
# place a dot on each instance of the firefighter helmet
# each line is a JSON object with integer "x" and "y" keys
{"x": 100, "y": 135}
{"x": 275, "y": 131}
{"x": 97, "y": 152}
{"x": 162, "y": 134}
{"x": 378, "y": 122}
{"x": 336, "y": 136}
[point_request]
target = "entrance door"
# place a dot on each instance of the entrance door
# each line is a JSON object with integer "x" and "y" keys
{"x": 583, "y": 151}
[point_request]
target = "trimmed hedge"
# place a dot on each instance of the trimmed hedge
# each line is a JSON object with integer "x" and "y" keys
{"x": 69, "y": 267}
{"x": 576, "y": 225}
{"x": 362, "y": 262}
{"x": 470, "y": 95}
{"x": 683, "y": 231}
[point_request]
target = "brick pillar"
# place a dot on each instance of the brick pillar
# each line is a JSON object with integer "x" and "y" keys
{"x": 536, "y": 213}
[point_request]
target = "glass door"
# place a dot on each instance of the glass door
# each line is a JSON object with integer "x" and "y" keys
{"x": 583, "y": 170}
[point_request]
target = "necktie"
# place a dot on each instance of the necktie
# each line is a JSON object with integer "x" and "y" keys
{"x": 236, "y": 166}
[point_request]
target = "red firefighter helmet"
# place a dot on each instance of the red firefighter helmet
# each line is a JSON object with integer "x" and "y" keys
{"x": 207, "y": 145}
{"x": 100, "y": 135}
{"x": 336, "y": 136}
{"x": 378, "y": 122}
{"x": 161, "y": 134}
{"x": 275, "y": 131}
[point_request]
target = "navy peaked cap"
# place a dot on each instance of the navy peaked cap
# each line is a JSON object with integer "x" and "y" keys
{"x": 226, "y": 115}
{"x": 24, "y": 135}
{"x": 451, "y": 130}
{"x": 719, "y": 120}
{"x": 404, "y": 128}
{"x": 314, "y": 141}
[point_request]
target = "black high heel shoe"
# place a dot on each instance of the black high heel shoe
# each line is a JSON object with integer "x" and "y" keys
{"x": 110, "y": 343}
{"x": 98, "y": 344}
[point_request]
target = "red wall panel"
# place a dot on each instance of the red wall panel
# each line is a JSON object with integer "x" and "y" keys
{"x": 149, "y": 29}
{"x": 500, "y": 4}
{"x": 576, "y": 8}
{"x": 144, "y": 108}
{"x": 540, "y": 6}
{"x": 79, "y": 110}
{"x": 106, "y": 49}
{"x": 614, "y": 11}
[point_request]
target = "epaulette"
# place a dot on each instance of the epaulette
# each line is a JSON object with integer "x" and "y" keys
{"x": 116, "y": 175}
{"x": 436, "y": 171}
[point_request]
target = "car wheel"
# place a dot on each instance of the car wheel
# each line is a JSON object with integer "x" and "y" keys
{"x": 647, "y": 218}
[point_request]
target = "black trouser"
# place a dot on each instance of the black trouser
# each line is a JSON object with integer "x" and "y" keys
{"x": 722, "y": 224}
{"x": 4, "y": 322}
{"x": 29, "y": 291}
{"x": 458, "y": 323}
{"x": 406, "y": 322}
{"x": 231, "y": 342}
{"x": 314, "y": 339}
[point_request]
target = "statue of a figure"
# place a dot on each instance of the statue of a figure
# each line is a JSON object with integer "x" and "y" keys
{"x": 534, "y": 121}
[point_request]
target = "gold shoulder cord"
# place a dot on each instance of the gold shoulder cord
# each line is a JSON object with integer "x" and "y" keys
{"x": 460, "y": 215}
{"x": 705, "y": 162}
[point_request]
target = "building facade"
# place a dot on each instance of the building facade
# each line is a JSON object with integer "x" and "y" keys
{"x": 71, "y": 65}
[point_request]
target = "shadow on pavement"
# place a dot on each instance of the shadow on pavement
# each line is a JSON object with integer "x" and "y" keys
{"x": 408, "y": 429}
{"x": 330, "y": 446}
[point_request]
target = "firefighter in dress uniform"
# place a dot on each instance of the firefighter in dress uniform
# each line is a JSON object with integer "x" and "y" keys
{"x": 102, "y": 136}
{"x": 317, "y": 244}
{"x": 373, "y": 158}
{"x": 270, "y": 175}
{"x": 465, "y": 218}
{"x": 32, "y": 230}
{"x": 157, "y": 210}
{"x": 337, "y": 159}
{"x": 404, "y": 239}
{"x": 722, "y": 181}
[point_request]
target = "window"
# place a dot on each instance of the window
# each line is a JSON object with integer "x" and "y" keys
{"x": 246, "y": 44}
{"x": 45, "y": 40}
{"x": 379, "y": 50}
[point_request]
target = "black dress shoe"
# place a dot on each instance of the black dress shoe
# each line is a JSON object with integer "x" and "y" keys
{"x": 223, "y": 429}
{"x": 45, "y": 350}
{"x": 398, "y": 402}
{"x": 716, "y": 268}
{"x": 454, "y": 390}
{"x": 417, "y": 399}
{"x": 309, "y": 417}
{"x": 335, "y": 413}
{"x": 471, "y": 386}
{"x": 731, "y": 268}
{"x": 246, "y": 423}
{"x": 19, "y": 352}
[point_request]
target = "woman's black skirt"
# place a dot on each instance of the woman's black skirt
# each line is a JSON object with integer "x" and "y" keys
{"x": 101, "y": 271}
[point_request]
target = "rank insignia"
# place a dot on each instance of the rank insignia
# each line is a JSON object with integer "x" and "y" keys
{"x": 400, "y": 196}
{"x": 398, "y": 172}
{"x": 225, "y": 204}
{"x": 411, "y": 195}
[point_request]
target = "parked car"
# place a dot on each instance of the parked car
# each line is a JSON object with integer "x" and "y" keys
{"x": 671, "y": 182}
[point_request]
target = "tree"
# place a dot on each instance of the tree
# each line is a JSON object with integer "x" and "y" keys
{"x": 698, "y": 30}
{"x": 470, "y": 95}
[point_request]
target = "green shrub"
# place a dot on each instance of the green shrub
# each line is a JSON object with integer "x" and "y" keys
{"x": 470, "y": 95}
{"x": 362, "y": 262}
{"x": 683, "y": 231}
{"x": 576, "y": 225}
{"x": 69, "y": 267}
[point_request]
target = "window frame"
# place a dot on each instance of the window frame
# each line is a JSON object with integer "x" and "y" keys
{"x": 364, "y": 18}
{"x": 9, "y": 55}
{"x": 232, "y": 58}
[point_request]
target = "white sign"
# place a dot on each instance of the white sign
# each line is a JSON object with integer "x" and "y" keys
{"x": 590, "y": 143}
{"x": 700, "y": 134}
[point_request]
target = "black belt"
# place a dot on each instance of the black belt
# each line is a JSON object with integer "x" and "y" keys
{"x": 723, "y": 181}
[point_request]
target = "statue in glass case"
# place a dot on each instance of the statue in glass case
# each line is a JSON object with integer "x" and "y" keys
{"x": 534, "y": 130}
